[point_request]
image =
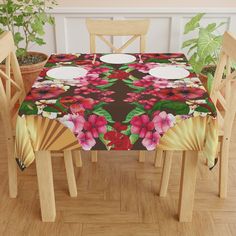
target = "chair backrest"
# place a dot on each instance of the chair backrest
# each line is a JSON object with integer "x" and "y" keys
{"x": 101, "y": 28}
{"x": 223, "y": 91}
{"x": 12, "y": 90}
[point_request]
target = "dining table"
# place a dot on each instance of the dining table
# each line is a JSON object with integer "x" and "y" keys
{"x": 102, "y": 101}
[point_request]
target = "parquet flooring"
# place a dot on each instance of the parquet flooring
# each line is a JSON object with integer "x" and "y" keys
{"x": 118, "y": 197}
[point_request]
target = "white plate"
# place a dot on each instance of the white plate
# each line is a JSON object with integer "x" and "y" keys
{"x": 169, "y": 72}
{"x": 117, "y": 58}
{"x": 66, "y": 72}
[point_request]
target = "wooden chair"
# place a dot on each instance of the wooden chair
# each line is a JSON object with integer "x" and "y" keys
{"x": 224, "y": 98}
{"x": 101, "y": 28}
{"x": 12, "y": 94}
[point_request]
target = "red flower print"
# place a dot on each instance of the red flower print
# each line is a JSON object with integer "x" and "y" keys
{"x": 191, "y": 93}
{"x": 118, "y": 141}
{"x": 86, "y": 140}
{"x": 119, "y": 127}
{"x": 46, "y": 92}
{"x": 151, "y": 140}
{"x": 86, "y": 103}
{"x": 141, "y": 125}
{"x": 181, "y": 93}
{"x": 68, "y": 99}
{"x": 77, "y": 109}
{"x": 61, "y": 58}
{"x": 43, "y": 73}
{"x": 96, "y": 125}
{"x": 119, "y": 74}
{"x": 170, "y": 94}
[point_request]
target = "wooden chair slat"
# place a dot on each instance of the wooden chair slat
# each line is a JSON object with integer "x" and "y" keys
{"x": 101, "y": 28}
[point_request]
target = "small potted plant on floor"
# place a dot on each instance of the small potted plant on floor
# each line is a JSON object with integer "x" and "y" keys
{"x": 26, "y": 20}
{"x": 203, "y": 49}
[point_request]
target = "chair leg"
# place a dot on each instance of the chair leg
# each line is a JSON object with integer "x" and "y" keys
{"x": 45, "y": 184}
{"x": 187, "y": 185}
{"x": 166, "y": 173}
{"x": 159, "y": 158}
{"x": 12, "y": 169}
{"x": 77, "y": 158}
{"x": 223, "y": 171}
{"x": 70, "y": 173}
{"x": 142, "y": 156}
{"x": 94, "y": 156}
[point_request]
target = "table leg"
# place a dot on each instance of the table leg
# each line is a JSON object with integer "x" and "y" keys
{"x": 77, "y": 158}
{"x": 187, "y": 185}
{"x": 94, "y": 156}
{"x": 142, "y": 156}
{"x": 12, "y": 168}
{"x": 159, "y": 158}
{"x": 45, "y": 185}
{"x": 166, "y": 173}
{"x": 70, "y": 173}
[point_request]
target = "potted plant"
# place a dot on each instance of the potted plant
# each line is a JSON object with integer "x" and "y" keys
{"x": 204, "y": 49}
{"x": 26, "y": 20}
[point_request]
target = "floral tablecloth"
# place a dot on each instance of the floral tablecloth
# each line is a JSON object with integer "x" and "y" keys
{"x": 118, "y": 107}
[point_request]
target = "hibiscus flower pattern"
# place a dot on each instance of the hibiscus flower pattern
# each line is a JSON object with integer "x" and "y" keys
{"x": 118, "y": 106}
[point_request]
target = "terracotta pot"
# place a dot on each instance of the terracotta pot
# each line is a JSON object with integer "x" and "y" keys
{"x": 31, "y": 72}
{"x": 203, "y": 79}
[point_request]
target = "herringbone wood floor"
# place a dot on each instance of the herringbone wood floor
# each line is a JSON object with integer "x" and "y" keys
{"x": 118, "y": 197}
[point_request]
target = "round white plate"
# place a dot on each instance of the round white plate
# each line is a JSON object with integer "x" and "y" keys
{"x": 66, "y": 72}
{"x": 117, "y": 58}
{"x": 169, "y": 72}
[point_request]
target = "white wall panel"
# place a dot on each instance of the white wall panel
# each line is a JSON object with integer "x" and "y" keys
{"x": 165, "y": 33}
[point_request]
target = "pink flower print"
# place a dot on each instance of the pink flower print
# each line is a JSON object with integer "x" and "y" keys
{"x": 74, "y": 122}
{"x": 86, "y": 140}
{"x": 95, "y": 80}
{"x": 148, "y": 103}
{"x": 145, "y": 83}
{"x": 133, "y": 97}
{"x": 151, "y": 140}
{"x": 141, "y": 125}
{"x": 163, "y": 121}
{"x": 86, "y": 90}
{"x": 106, "y": 99}
{"x": 96, "y": 125}
{"x": 81, "y": 81}
{"x": 140, "y": 67}
{"x": 98, "y": 71}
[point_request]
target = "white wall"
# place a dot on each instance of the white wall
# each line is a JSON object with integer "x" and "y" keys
{"x": 165, "y": 33}
{"x": 147, "y": 3}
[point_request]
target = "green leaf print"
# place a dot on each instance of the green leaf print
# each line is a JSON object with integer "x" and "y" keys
{"x": 29, "y": 108}
{"x": 133, "y": 138}
{"x": 135, "y": 112}
{"x": 174, "y": 107}
{"x": 101, "y": 112}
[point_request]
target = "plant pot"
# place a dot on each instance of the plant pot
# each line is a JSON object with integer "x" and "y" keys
{"x": 31, "y": 72}
{"x": 203, "y": 77}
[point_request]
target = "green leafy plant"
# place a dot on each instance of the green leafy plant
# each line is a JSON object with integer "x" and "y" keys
{"x": 26, "y": 20}
{"x": 203, "y": 49}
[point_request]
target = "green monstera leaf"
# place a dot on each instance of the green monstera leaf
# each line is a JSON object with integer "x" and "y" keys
{"x": 174, "y": 107}
{"x": 28, "y": 108}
